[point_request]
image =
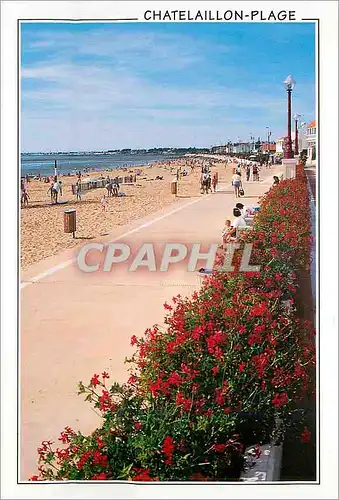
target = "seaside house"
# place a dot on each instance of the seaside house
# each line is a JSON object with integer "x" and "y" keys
{"x": 311, "y": 139}
{"x": 221, "y": 150}
{"x": 242, "y": 147}
{"x": 279, "y": 145}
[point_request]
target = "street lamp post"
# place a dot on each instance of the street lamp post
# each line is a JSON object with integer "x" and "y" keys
{"x": 289, "y": 86}
{"x": 269, "y": 133}
{"x": 296, "y": 140}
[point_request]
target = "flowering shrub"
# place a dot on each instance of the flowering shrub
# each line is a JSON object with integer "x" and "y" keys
{"x": 230, "y": 361}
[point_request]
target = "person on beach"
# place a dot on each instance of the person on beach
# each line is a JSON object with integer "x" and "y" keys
{"x": 255, "y": 173}
{"x": 53, "y": 190}
{"x": 24, "y": 193}
{"x": 238, "y": 221}
{"x": 104, "y": 203}
{"x": 204, "y": 183}
{"x": 25, "y": 198}
{"x": 226, "y": 233}
{"x": 276, "y": 180}
{"x": 247, "y": 213}
{"x": 115, "y": 187}
{"x": 78, "y": 190}
{"x": 209, "y": 182}
{"x": 248, "y": 172}
{"x": 109, "y": 187}
{"x": 236, "y": 183}
{"x": 215, "y": 182}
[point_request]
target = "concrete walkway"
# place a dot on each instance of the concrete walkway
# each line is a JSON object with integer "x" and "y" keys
{"x": 75, "y": 324}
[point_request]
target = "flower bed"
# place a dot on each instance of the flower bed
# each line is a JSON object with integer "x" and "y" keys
{"x": 230, "y": 361}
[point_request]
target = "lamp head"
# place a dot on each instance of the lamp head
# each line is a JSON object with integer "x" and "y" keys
{"x": 296, "y": 116}
{"x": 289, "y": 83}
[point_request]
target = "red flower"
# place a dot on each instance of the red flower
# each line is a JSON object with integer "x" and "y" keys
{"x": 105, "y": 402}
{"x": 306, "y": 435}
{"x": 227, "y": 410}
{"x": 219, "y": 397}
{"x": 134, "y": 340}
{"x": 174, "y": 379}
{"x": 215, "y": 370}
{"x": 34, "y": 478}
{"x": 242, "y": 367}
{"x": 132, "y": 379}
{"x": 100, "y": 443}
{"x": 95, "y": 380}
{"x": 241, "y": 329}
{"x": 198, "y": 477}
{"x": 142, "y": 475}
{"x": 99, "y": 459}
{"x": 219, "y": 448}
{"x": 254, "y": 338}
{"x": 258, "y": 310}
{"x": 168, "y": 448}
{"x": 137, "y": 426}
{"x": 280, "y": 399}
{"x": 99, "y": 477}
{"x": 105, "y": 375}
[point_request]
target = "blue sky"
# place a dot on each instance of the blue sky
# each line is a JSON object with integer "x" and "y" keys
{"x": 94, "y": 86}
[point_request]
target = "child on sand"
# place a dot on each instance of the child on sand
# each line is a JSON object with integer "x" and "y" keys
{"x": 104, "y": 203}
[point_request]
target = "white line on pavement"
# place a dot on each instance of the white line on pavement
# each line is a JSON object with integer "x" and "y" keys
{"x": 67, "y": 263}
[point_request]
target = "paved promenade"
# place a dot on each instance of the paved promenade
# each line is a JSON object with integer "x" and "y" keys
{"x": 75, "y": 324}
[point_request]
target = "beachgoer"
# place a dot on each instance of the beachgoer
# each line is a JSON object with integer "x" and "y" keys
{"x": 25, "y": 198}
{"x": 215, "y": 182}
{"x": 204, "y": 183}
{"x": 226, "y": 232}
{"x": 209, "y": 183}
{"x": 109, "y": 187}
{"x": 255, "y": 173}
{"x": 248, "y": 172}
{"x": 236, "y": 183}
{"x": 104, "y": 203}
{"x": 239, "y": 221}
{"x": 276, "y": 180}
{"x": 78, "y": 190}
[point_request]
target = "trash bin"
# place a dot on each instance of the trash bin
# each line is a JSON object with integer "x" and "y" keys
{"x": 174, "y": 186}
{"x": 70, "y": 223}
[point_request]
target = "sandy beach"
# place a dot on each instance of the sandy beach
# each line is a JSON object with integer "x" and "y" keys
{"x": 42, "y": 226}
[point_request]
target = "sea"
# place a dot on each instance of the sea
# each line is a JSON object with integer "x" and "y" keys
{"x": 33, "y": 164}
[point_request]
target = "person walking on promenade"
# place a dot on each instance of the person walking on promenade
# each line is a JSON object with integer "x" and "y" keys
{"x": 204, "y": 183}
{"x": 255, "y": 173}
{"x": 236, "y": 182}
{"x": 248, "y": 172}
{"x": 215, "y": 181}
